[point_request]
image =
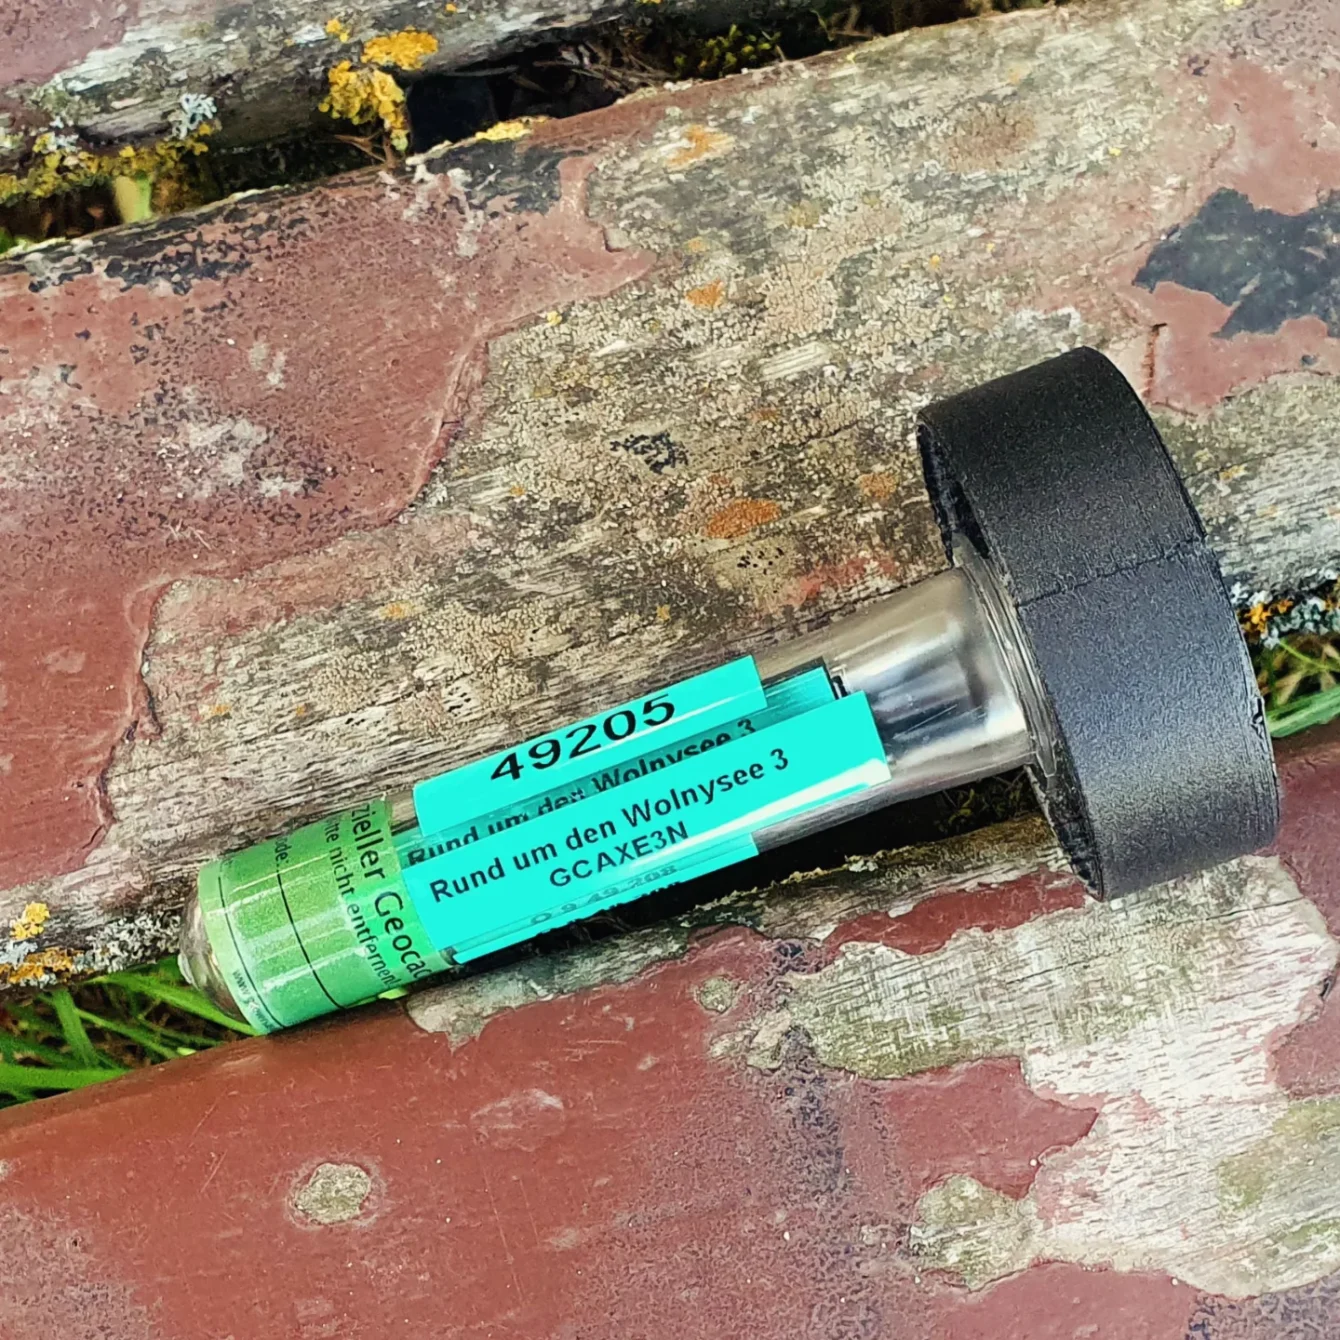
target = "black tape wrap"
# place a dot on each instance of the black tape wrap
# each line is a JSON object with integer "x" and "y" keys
{"x": 1060, "y": 479}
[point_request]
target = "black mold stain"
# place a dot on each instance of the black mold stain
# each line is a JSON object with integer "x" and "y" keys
{"x": 504, "y": 170}
{"x": 659, "y": 450}
{"x": 1269, "y": 267}
{"x": 1310, "y": 1312}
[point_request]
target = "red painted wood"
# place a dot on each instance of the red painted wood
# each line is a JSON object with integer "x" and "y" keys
{"x": 1308, "y": 1060}
{"x": 582, "y": 1168}
{"x": 266, "y": 455}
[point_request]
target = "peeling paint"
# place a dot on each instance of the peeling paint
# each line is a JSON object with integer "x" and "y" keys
{"x": 334, "y": 1193}
{"x": 1163, "y": 1016}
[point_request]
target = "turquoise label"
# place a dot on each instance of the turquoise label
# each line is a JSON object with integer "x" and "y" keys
{"x": 783, "y": 699}
{"x": 651, "y": 830}
{"x": 549, "y": 763}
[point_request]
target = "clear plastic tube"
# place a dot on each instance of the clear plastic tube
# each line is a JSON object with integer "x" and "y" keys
{"x": 939, "y": 683}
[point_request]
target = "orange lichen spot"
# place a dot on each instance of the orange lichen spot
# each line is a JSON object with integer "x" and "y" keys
{"x": 765, "y": 414}
{"x": 301, "y": 710}
{"x": 28, "y": 925}
{"x": 511, "y": 130}
{"x": 517, "y": 491}
{"x": 1231, "y": 472}
{"x": 397, "y": 609}
{"x": 699, "y": 142}
{"x": 1256, "y": 621}
{"x": 405, "y": 50}
{"x": 708, "y": 295}
{"x": 338, "y": 29}
{"x": 740, "y": 517}
{"x": 449, "y": 9}
{"x": 662, "y": 613}
{"x": 696, "y": 246}
{"x": 37, "y": 966}
{"x": 212, "y": 711}
{"x": 934, "y": 263}
{"x": 879, "y": 486}
{"x": 553, "y": 318}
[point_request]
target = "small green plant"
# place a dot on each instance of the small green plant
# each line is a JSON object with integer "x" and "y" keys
{"x": 72, "y": 1037}
{"x": 733, "y": 50}
{"x": 1300, "y": 680}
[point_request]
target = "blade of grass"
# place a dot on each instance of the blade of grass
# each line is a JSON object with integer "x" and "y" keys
{"x": 145, "y": 1037}
{"x": 41, "y": 1077}
{"x": 1315, "y": 709}
{"x": 72, "y": 1026}
{"x": 1316, "y": 666}
{"x": 15, "y": 1044}
{"x": 182, "y": 998}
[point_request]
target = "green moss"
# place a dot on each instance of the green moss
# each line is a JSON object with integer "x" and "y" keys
{"x": 972, "y": 1231}
{"x": 1308, "y": 1131}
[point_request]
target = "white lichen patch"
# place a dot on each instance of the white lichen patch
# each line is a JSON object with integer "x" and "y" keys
{"x": 1162, "y": 1013}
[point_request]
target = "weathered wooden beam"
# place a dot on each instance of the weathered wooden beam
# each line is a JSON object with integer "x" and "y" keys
{"x": 940, "y": 1097}
{"x": 317, "y": 491}
{"x": 117, "y": 72}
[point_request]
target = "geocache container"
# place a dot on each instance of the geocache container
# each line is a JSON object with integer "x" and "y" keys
{"x": 1081, "y": 631}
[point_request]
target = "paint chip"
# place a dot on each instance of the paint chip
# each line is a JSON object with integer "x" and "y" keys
{"x": 333, "y": 1194}
{"x": 717, "y": 994}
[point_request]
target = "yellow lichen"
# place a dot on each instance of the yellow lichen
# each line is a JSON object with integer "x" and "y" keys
{"x": 28, "y": 925}
{"x": 55, "y": 169}
{"x": 364, "y": 97}
{"x": 37, "y": 966}
{"x": 405, "y": 50}
{"x": 337, "y": 29}
{"x": 511, "y": 130}
{"x": 1256, "y": 621}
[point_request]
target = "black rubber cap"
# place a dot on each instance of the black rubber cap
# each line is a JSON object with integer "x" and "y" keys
{"x": 1059, "y": 478}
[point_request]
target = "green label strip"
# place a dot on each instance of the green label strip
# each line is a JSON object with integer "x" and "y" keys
{"x": 646, "y": 834}
{"x": 550, "y": 762}
{"x": 318, "y": 919}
